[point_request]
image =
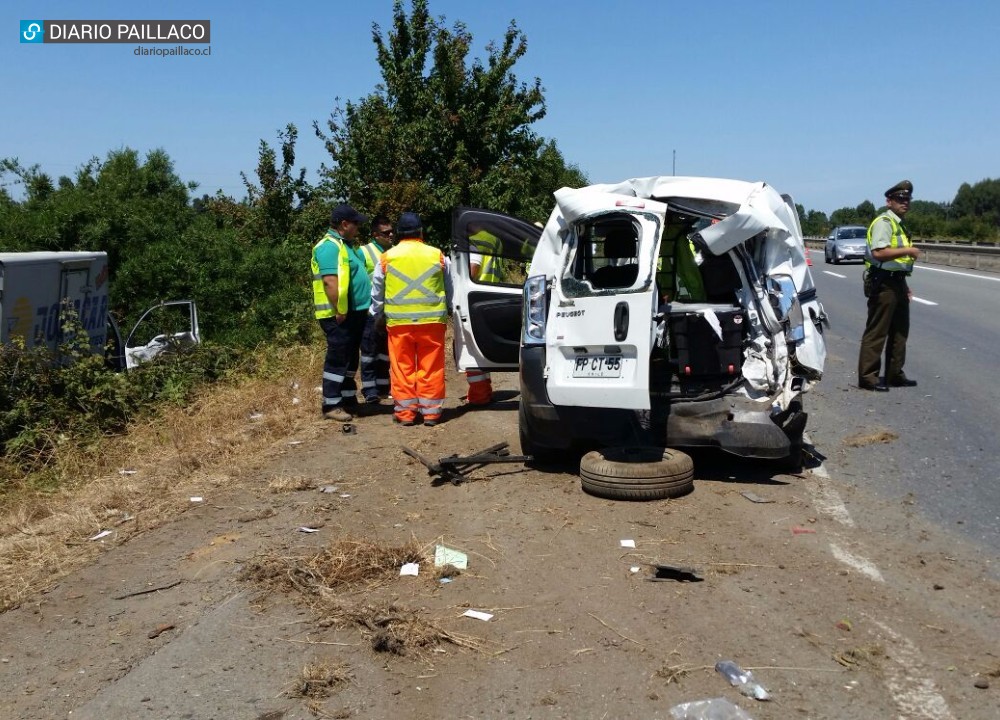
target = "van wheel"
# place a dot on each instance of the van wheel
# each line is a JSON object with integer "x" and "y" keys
{"x": 539, "y": 455}
{"x": 637, "y": 473}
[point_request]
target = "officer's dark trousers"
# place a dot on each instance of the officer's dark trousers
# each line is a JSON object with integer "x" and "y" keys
{"x": 375, "y": 359}
{"x": 343, "y": 342}
{"x": 888, "y": 327}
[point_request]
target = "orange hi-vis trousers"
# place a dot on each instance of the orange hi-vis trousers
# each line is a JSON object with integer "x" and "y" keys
{"x": 416, "y": 370}
{"x": 480, "y": 387}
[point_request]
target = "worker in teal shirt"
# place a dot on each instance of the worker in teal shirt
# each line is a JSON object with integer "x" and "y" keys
{"x": 341, "y": 295}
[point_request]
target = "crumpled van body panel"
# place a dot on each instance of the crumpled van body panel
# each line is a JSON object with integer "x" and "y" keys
{"x": 678, "y": 308}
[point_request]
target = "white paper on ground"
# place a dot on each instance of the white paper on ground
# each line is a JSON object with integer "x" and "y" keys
{"x": 102, "y": 534}
{"x": 197, "y": 498}
{"x": 409, "y": 569}
{"x": 307, "y": 529}
{"x": 628, "y": 543}
{"x": 477, "y": 614}
{"x": 449, "y": 556}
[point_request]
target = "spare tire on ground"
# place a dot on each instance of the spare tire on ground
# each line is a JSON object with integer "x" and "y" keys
{"x": 637, "y": 473}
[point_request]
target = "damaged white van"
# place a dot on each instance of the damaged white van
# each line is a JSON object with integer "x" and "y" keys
{"x": 677, "y": 311}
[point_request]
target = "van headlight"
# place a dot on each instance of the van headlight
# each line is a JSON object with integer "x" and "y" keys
{"x": 535, "y": 311}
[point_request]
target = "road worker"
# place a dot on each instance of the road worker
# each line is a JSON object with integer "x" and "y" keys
{"x": 485, "y": 250}
{"x": 412, "y": 286}
{"x": 341, "y": 296}
{"x": 375, "y": 341}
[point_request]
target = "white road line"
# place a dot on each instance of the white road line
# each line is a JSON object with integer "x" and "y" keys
{"x": 922, "y": 301}
{"x": 827, "y": 500}
{"x": 994, "y": 278}
{"x": 905, "y": 675}
{"x": 828, "y": 272}
{"x": 909, "y": 684}
{"x": 862, "y": 565}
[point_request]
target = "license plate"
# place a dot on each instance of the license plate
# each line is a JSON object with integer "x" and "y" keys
{"x": 598, "y": 366}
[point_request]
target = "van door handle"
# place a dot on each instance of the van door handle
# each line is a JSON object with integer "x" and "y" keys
{"x": 621, "y": 321}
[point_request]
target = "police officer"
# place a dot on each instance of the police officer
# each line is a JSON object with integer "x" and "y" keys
{"x": 341, "y": 296}
{"x": 888, "y": 262}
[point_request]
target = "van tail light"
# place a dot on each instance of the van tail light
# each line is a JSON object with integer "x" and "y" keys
{"x": 535, "y": 311}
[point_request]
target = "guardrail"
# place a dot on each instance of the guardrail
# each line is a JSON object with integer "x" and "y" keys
{"x": 973, "y": 257}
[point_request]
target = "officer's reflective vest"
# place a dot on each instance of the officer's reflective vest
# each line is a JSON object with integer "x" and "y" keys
{"x": 321, "y": 303}
{"x": 487, "y": 245}
{"x": 372, "y": 254}
{"x": 414, "y": 284}
{"x": 899, "y": 239}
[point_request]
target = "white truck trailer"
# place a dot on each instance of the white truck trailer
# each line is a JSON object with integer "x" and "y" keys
{"x": 36, "y": 288}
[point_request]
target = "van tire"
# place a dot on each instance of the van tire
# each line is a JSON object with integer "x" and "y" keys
{"x": 637, "y": 473}
{"x": 539, "y": 455}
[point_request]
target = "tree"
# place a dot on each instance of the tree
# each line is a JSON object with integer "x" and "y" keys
{"x": 441, "y": 131}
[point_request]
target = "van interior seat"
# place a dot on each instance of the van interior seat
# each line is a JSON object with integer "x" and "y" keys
{"x": 618, "y": 245}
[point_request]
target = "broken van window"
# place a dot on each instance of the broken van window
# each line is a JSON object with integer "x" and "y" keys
{"x": 604, "y": 257}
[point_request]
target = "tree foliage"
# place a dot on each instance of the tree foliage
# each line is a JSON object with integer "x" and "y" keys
{"x": 443, "y": 130}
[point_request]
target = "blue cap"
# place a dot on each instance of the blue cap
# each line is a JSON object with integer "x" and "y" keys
{"x": 409, "y": 224}
{"x": 346, "y": 212}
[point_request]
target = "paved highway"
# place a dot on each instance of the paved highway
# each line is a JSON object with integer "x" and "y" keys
{"x": 945, "y": 462}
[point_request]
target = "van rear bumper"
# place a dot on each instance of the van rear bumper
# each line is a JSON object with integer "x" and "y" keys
{"x": 737, "y": 425}
{"x": 561, "y": 427}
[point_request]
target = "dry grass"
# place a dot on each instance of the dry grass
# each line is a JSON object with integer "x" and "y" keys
{"x": 353, "y": 564}
{"x": 869, "y": 656}
{"x": 231, "y": 428}
{"x": 344, "y": 564}
{"x": 875, "y": 438}
{"x": 321, "y": 679}
{"x": 293, "y": 483}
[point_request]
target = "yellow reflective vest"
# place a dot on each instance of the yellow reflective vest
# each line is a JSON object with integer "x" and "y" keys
{"x": 321, "y": 303}
{"x": 899, "y": 239}
{"x": 414, "y": 284}
{"x": 372, "y": 253}
{"x": 487, "y": 245}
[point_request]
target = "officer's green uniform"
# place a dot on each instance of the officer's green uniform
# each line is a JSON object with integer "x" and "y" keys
{"x": 888, "y": 324}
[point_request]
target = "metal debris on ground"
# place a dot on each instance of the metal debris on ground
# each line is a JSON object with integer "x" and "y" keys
{"x": 662, "y": 573}
{"x": 755, "y": 498}
{"x": 455, "y": 468}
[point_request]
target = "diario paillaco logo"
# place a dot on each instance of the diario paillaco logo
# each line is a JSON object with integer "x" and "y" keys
{"x": 32, "y": 31}
{"x": 116, "y": 31}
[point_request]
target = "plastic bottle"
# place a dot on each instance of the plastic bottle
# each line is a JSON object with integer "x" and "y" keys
{"x": 741, "y": 679}
{"x": 714, "y": 709}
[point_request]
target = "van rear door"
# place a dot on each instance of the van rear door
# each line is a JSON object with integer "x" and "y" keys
{"x": 600, "y": 329}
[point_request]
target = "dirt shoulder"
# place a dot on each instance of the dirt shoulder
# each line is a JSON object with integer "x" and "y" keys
{"x": 836, "y": 619}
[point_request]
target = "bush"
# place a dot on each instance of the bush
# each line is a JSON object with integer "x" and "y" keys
{"x": 73, "y": 399}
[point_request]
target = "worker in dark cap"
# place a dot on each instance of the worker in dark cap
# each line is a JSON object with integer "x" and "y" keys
{"x": 341, "y": 296}
{"x": 888, "y": 262}
{"x": 412, "y": 286}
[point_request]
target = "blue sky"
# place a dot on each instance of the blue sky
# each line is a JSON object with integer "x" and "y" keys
{"x": 830, "y": 102}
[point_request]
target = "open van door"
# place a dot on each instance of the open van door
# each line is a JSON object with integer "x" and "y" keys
{"x": 489, "y": 262}
{"x": 169, "y": 326}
